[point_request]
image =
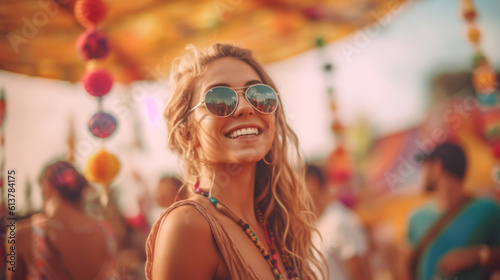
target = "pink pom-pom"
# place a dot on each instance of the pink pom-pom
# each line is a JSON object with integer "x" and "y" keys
{"x": 93, "y": 44}
{"x": 90, "y": 12}
{"x": 97, "y": 82}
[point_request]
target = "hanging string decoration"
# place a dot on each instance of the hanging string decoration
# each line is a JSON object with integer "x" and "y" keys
{"x": 102, "y": 167}
{"x": 3, "y": 111}
{"x": 484, "y": 81}
{"x": 339, "y": 167}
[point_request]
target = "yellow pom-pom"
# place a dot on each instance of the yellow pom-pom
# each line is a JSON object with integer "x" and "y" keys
{"x": 473, "y": 34}
{"x": 102, "y": 167}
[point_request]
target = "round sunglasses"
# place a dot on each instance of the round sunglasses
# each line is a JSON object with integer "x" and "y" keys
{"x": 223, "y": 101}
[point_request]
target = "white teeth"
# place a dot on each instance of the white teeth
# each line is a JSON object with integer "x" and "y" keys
{"x": 244, "y": 131}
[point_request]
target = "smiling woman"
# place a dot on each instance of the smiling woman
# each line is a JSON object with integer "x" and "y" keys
{"x": 249, "y": 213}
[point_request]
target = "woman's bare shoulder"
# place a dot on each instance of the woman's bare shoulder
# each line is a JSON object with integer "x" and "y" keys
{"x": 23, "y": 228}
{"x": 185, "y": 239}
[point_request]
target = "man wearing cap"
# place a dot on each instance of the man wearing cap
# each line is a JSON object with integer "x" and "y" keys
{"x": 455, "y": 236}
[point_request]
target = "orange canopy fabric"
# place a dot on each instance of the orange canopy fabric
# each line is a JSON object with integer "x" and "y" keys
{"x": 39, "y": 36}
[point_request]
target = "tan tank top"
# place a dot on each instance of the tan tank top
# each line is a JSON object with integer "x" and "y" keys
{"x": 230, "y": 239}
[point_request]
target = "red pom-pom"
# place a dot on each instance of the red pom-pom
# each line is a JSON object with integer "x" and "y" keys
{"x": 97, "y": 82}
{"x": 90, "y": 12}
{"x": 314, "y": 13}
{"x": 93, "y": 44}
{"x": 496, "y": 150}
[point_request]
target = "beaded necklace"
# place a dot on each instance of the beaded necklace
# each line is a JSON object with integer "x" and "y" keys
{"x": 272, "y": 258}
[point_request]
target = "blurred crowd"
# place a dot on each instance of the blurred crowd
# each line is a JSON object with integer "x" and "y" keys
{"x": 451, "y": 236}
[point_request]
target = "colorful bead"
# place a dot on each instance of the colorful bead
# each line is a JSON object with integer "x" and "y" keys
{"x": 272, "y": 258}
{"x": 213, "y": 200}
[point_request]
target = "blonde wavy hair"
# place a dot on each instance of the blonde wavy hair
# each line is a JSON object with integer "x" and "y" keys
{"x": 280, "y": 188}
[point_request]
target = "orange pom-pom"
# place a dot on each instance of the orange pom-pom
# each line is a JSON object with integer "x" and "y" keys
{"x": 473, "y": 34}
{"x": 102, "y": 167}
{"x": 484, "y": 79}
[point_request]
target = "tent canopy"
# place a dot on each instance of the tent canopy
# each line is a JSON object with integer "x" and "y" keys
{"x": 39, "y": 36}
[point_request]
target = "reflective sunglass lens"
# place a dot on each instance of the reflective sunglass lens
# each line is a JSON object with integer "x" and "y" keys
{"x": 221, "y": 101}
{"x": 263, "y": 98}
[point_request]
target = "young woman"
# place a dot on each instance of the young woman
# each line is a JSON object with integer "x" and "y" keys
{"x": 248, "y": 217}
{"x": 63, "y": 242}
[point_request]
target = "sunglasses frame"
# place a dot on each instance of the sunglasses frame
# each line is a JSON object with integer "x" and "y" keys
{"x": 237, "y": 90}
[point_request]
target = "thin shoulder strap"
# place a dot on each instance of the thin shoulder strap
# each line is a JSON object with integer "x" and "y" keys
{"x": 39, "y": 247}
{"x": 43, "y": 249}
{"x": 238, "y": 268}
{"x": 434, "y": 231}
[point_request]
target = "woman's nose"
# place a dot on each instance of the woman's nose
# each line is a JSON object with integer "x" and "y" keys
{"x": 244, "y": 107}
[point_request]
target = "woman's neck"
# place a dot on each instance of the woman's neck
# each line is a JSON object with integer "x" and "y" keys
{"x": 234, "y": 186}
{"x": 61, "y": 210}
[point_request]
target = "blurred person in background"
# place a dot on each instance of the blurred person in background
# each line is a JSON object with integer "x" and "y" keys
{"x": 344, "y": 241}
{"x": 63, "y": 242}
{"x": 169, "y": 190}
{"x": 455, "y": 236}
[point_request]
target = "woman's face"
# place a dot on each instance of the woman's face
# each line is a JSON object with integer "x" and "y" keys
{"x": 215, "y": 134}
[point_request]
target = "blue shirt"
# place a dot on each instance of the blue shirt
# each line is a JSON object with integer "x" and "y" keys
{"x": 477, "y": 224}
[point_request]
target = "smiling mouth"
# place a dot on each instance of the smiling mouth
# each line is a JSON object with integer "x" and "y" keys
{"x": 242, "y": 132}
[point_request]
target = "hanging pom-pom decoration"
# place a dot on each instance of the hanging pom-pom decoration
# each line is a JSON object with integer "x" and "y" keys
{"x": 3, "y": 106}
{"x": 479, "y": 59}
{"x": 314, "y": 13}
{"x": 93, "y": 44}
{"x": 97, "y": 82}
{"x": 90, "y": 12}
{"x": 495, "y": 174}
{"x": 337, "y": 127}
{"x": 491, "y": 120}
{"x": 319, "y": 42}
{"x": 327, "y": 67}
{"x": 473, "y": 34}
{"x": 484, "y": 79}
{"x": 102, "y": 167}
{"x": 468, "y": 11}
{"x": 496, "y": 150}
{"x": 102, "y": 125}
{"x": 339, "y": 169}
{"x": 488, "y": 100}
